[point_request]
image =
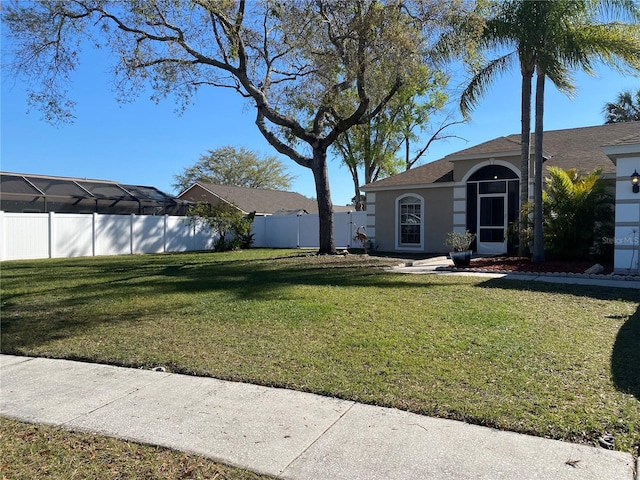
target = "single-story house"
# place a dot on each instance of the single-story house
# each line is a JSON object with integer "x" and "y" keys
{"x": 477, "y": 189}
{"x": 27, "y": 193}
{"x": 262, "y": 201}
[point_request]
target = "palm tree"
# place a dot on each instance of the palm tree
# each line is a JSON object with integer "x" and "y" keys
{"x": 626, "y": 108}
{"x": 504, "y": 27}
{"x": 550, "y": 39}
{"x": 574, "y": 35}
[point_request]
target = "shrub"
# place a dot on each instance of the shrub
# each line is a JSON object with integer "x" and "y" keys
{"x": 232, "y": 226}
{"x": 578, "y": 211}
{"x": 459, "y": 242}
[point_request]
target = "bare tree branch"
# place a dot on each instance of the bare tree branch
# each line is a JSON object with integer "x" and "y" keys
{"x": 436, "y": 136}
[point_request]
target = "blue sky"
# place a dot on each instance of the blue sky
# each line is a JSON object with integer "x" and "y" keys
{"x": 147, "y": 144}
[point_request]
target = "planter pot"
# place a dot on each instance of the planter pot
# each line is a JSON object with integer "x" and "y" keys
{"x": 461, "y": 259}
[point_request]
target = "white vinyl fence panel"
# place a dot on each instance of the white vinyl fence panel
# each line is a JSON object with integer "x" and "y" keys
{"x": 179, "y": 235}
{"x": 203, "y": 238}
{"x": 278, "y": 231}
{"x": 309, "y": 231}
{"x": 113, "y": 235}
{"x": 54, "y": 235}
{"x": 149, "y": 234}
{"x": 72, "y": 235}
{"x": 302, "y": 231}
{"x": 25, "y": 235}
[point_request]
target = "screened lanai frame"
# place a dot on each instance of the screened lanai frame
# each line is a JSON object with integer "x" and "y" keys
{"x": 26, "y": 193}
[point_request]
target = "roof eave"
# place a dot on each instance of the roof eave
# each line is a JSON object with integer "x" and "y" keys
{"x": 478, "y": 156}
{"x": 481, "y": 156}
{"x": 616, "y": 151}
{"x": 412, "y": 186}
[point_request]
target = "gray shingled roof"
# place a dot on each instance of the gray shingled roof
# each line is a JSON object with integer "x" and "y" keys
{"x": 261, "y": 200}
{"x": 579, "y": 148}
{"x": 510, "y": 143}
{"x": 630, "y": 140}
{"x": 433, "y": 172}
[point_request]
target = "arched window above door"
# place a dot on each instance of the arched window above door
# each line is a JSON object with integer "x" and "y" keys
{"x": 493, "y": 172}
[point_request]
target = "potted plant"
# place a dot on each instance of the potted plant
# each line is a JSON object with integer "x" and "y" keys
{"x": 459, "y": 244}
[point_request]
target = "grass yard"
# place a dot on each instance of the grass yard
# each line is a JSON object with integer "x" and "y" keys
{"x": 558, "y": 361}
{"x": 31, "y": 451}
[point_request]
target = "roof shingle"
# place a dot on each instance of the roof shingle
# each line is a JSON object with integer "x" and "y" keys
{"x": 579, "y": 148}
{"x": 261, "y": 200}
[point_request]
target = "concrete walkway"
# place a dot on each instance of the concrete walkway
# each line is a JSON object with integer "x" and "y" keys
{"x": 282, "y": 433}
{"x": 441, "y": 265}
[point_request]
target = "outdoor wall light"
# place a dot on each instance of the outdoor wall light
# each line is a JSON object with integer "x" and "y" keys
{"x": 635, "y": 178}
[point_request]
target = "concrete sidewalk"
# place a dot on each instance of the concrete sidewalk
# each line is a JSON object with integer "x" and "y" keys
{"x": 284, "y": 433}
{"x": 441, "y": 266}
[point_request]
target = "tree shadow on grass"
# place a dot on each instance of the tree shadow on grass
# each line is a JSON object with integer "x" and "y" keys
{"x": 625, "y": 357}
{"x": 591, "y": 291}
{"x": 105, "y": 291}
{"x": 263, "y": 280}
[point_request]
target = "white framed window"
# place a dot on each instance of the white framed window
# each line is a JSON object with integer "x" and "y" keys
{"x": 409, "y": 222}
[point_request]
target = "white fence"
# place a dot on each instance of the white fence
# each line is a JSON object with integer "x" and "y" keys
{"x": 57, "y": 235}
{"x": 302, "y": 231}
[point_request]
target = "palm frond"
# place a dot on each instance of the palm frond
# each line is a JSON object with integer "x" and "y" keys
{"x": 576, "y": 208}
{"x": 482, "y": 80}
{"x": 558, "y": 73}
{"x": 624, "y": 109}
{"x": 625, "y": 10}
{"x": 614, "y": 44}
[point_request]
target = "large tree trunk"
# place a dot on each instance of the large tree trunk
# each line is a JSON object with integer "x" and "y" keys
{"x": 538, "y": 234}
{"x": 325, "y": 207}
{"x": 525, "y": 140}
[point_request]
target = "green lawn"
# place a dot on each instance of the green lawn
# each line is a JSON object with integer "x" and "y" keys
{"x": 559, "y": 361}
{"x": 31, "y": 452}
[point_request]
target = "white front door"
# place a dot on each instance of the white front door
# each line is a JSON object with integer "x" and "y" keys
{"x": 492, "y": 223}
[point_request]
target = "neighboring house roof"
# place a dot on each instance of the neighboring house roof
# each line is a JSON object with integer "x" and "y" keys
{"x": 261, "y": 201}
{"x": 579, "y": 148}
{"x": 344, "y": 208}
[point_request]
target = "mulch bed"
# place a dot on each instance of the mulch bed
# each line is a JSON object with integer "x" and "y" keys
{"x": 524, "y": 264}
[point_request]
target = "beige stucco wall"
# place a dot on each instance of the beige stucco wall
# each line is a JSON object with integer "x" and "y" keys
{"x": 437, "y": 218}
{"x": 444, "y": 207}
